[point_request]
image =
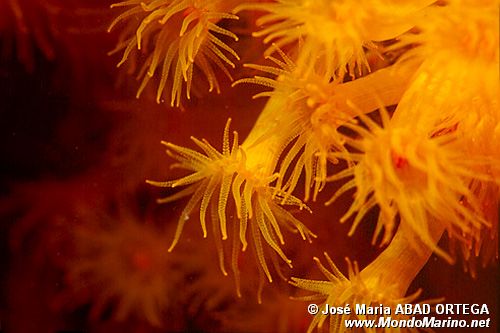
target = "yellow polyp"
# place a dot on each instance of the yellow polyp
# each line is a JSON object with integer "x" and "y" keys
{"x": 176, "y": 43}
{"x": 457, "y": 51}
{"x": 384, "y": 281}
{"x": 422, "y": 179}
{"x": 334, "y": 35}
{"x": 385, "y": 111}
{"x": 468, "y": 31}
{"x": 238, "y": 176}
{"x": 309, "y": 117}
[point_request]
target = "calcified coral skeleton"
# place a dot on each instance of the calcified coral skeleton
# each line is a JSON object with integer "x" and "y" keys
{"x": 176, "y": 36}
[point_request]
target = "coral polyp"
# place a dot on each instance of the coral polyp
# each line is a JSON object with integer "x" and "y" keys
{"x": 340, "y": 291}
{"x": 374, "y": 285}
{"x": 123, "y": 265}
{"x": 174, "y": 37}
{"x": 365, "y": 129}
{"x": 311, "y": 114}
{"x": 334, "y": 34}
{"x": 26, "y": 22}
{"x": 421, "y": 180}
{"x": 457, "y": 51}
{"x": 226, "y": 181}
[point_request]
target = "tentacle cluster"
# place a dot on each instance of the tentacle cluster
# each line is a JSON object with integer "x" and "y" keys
{"x": 413, "y": 178}
{"x": 220, "y": 179}
{"x": 340, "y": 290}
{"x": 334, "y": 34}
{"x": 311, "y": 114}
{"x": 175, "y": 35}
{"x": 122, "y": 266}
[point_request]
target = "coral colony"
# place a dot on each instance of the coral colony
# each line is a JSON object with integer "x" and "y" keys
{"x": 335, "y": 157}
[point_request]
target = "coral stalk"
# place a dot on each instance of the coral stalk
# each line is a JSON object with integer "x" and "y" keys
{"x": 239, "y": 177}
{"x": 384, "y": 281}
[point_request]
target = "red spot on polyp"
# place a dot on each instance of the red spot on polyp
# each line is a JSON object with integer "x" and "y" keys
{"x": 141, "y": 260}
{"x": 399, "y": 161}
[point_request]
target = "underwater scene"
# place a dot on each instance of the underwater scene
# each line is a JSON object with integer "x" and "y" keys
{"x": 249, "y": 166}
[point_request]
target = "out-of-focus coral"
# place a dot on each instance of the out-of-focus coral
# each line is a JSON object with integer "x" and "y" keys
{"x": 50, "y": 28}
{"x": 26, "y": 25}
{"x": 122, "y": 264}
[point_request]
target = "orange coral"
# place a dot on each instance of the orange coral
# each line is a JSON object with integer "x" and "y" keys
{"x": 229, "y": 174}
{"x": 176, "y": 36}
{"x": 29, "y": 26}
{"x": 423, "y": 180}
{"x": 123, "y": 264}
{"x": 334, "y": 34}
{"x": 375, "y": 285}
{"x": 420, "y": 177}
